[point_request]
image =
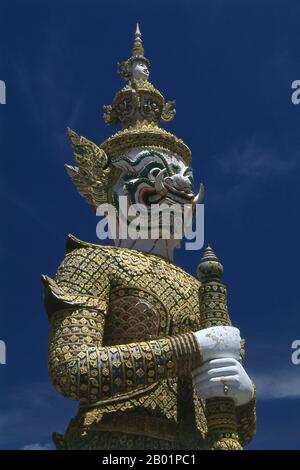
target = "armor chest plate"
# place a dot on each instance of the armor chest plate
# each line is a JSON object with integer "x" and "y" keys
{"x": 149, "y": 298}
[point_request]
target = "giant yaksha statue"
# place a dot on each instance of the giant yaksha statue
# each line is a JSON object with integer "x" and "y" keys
{"x": 145, "y": 348}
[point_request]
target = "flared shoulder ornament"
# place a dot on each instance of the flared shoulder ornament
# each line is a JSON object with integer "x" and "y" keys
{"x": 94, "y": 176}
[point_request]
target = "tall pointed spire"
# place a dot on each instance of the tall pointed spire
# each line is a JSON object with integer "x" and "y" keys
{"x": 209, "y": 267}
{"x": 137, "y": 50}
{"x": 137, "y": 53}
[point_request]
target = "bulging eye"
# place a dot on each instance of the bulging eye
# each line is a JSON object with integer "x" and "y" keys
{"x": 189, "y": 174}
{"x": 153, "y": 173}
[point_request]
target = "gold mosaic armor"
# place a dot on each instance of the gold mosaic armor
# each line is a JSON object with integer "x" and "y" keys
{"x": 121, "y": 343}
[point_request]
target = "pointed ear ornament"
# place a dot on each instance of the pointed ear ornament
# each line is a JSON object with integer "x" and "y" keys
{"x": 94, "y": 176}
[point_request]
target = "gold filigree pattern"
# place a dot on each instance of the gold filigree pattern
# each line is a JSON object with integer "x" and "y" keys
{"x": 134, "y": 314}
{"x": 246, "y": 419}
{"x": 145, "y": 135}
{"x": 84, "y": 371}
{"x": 150, "y": 374}
{"x": 94, "y": 176}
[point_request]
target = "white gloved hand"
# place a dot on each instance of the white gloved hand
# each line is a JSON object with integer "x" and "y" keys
{"x": 219, "y": 341}
{"x": 223, "y": 377}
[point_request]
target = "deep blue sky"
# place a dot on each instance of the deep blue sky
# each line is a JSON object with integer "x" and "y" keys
{"x": 229, "y": 64}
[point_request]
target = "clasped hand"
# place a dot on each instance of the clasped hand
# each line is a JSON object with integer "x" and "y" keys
{"x": 221, "y": 373}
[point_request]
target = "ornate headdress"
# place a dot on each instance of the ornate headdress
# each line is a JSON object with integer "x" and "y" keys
{"x": 139, "y": 107}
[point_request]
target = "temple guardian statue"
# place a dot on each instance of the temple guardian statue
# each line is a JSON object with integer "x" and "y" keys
{"x": 146, "y": 349}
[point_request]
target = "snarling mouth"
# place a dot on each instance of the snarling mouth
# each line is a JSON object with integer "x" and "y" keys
{"x": 150, "y": 196}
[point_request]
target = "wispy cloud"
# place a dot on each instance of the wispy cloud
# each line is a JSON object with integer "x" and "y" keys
{"x": 278, "y": 384}
{"x": 30, "y": 414}
{"x": 37, "y": 446}
{"x": 9, "y": 194}
{"x": 255, "y": 159}
{"x": 247, "y": 167}
{"x": 49, "y": 103}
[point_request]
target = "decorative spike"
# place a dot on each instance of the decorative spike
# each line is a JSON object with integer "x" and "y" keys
{"x": 209, "y": 267}
{"x": 212, "y": 292}
{"x": 137, "y": 50}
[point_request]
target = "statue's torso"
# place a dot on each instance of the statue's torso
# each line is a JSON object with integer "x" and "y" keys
{"x": 148, "y": 297}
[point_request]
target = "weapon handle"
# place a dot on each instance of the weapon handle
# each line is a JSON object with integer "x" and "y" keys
{"x": 220, "y": 412}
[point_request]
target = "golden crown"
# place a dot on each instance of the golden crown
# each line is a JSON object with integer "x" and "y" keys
{"x": 139, "y": 107}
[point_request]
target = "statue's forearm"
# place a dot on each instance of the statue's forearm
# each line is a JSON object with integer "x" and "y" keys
{"x": 82, "y": 370}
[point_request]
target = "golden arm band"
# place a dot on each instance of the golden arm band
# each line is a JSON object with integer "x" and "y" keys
{"x": 91, "y": 373}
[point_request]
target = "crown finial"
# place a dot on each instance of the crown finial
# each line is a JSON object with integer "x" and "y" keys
{"x": 137, "y": 54}
{"x": 209, "y": 267}
{"x": 137, "y": 50}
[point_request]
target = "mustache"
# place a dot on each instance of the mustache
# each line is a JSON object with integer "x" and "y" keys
{"x": 162, "y": 187}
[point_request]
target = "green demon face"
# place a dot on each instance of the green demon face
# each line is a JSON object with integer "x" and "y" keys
{"x": 157, "y": 181}
{"x": 154, "y": 177}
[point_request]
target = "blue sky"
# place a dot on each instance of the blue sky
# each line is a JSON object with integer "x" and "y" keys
{"x": 229, "y": 64}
